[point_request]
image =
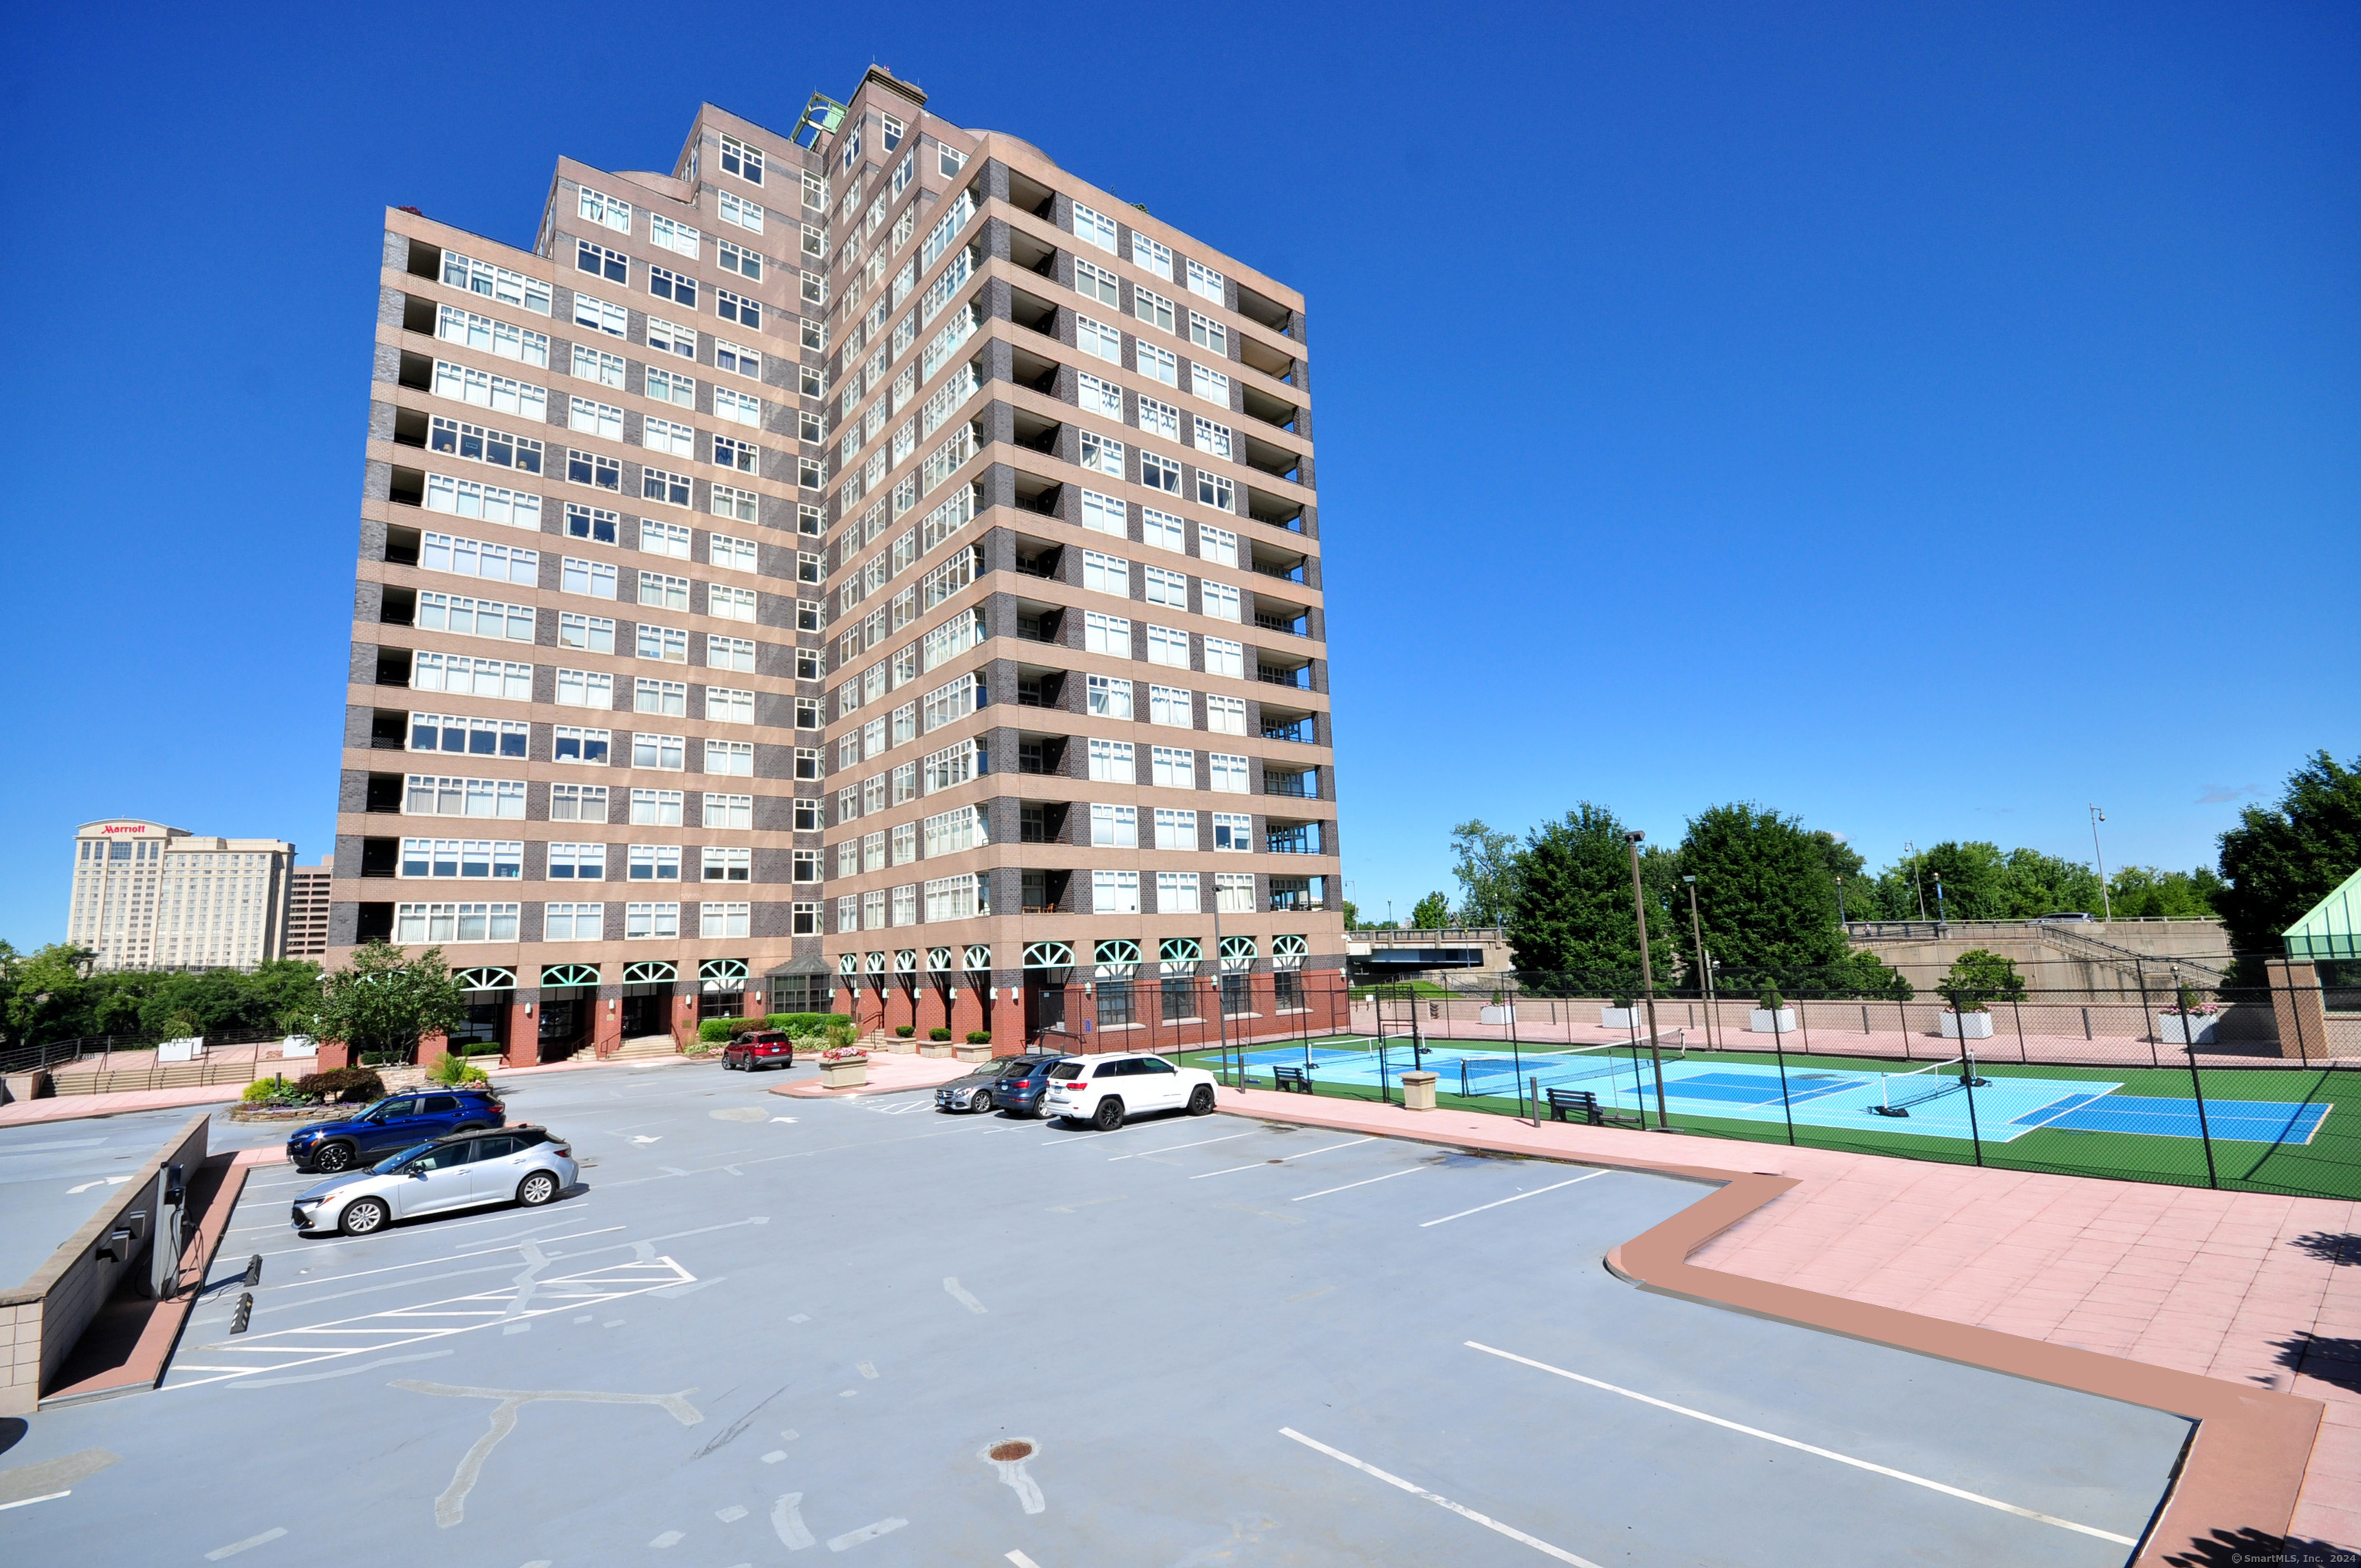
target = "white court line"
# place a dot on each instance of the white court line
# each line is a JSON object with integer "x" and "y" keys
{"x": 1807, "y": 1447}
{"x": 1307, "y": 1154}
{"x": 1440, "y": 1501}
{"x": 1406, "y": 1171}
{"x": 44, "y": 1497}
{"x": 1168, "y": 1148}
{"x": 1512, "y": 1198}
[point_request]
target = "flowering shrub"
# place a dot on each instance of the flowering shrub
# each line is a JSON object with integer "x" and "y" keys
{"x": 839, "y": 1054}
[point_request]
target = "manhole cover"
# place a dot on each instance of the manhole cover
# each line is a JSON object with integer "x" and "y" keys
{"x": 1007, "y": 1451}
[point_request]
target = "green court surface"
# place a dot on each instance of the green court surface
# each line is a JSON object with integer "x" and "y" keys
{"x": 2280, "y": 1129}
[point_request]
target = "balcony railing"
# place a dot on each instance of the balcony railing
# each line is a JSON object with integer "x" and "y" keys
{"x": 1284, "y": 573}
{"x": 1300, "y": 732}
{"x": 1300, "y": 679}
{"x": 1295, "y": 786}
{"x": 1294, "y": 625}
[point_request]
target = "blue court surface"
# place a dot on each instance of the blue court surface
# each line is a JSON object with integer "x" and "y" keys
{"x": 1931, "y": 1098}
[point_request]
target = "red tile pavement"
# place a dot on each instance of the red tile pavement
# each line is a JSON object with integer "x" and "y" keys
{"x": 71, "y": 1107}
{"x": 890, "y": 1072}
{"x": 2225, "y": 1285}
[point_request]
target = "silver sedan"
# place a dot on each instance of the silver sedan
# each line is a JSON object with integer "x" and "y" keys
{"x": 467, "y": 1170}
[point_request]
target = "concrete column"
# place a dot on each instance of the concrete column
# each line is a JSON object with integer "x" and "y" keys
{"x": 524, "y": 1037}
{"x": 607, "y": 1025}
{"x": 2298, "y": 1009}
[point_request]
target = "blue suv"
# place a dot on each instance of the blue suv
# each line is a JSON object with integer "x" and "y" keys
{"x": 394, "y": 1123}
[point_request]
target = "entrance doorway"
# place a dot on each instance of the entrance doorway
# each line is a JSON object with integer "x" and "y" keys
{"x": 647, "y": 1010}
{"x": 1044, "y": 1009}
{"x": 565, "y": 1018}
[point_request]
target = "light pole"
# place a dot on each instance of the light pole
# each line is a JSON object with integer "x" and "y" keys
{"x": 1941, "y": 919}
{"x": 1696, "y": 934}
{"x": 1631, "y": 837}
{"x": 1840, "y": 913}
{"x": 2105, "y": 902}
{"x": 1916, "y": 886}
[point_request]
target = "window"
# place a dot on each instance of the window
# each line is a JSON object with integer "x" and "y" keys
{"x": 1098, "y": 397}
{"x": 1111, "y": 761}
{"x": 938, "y": 295}
{"x": 1151, "y": 307}
{"x": 597, "y": 365}
{"x": 572, "y": 743}
{"x": 655, "y": 807}
{"x": 746, "y": 162}
{"x": 740, "y": 456}
{"x": 905, "y": 905}
{"x": 1102, "y": 455}
{"x": 1206, "y": 283}
{"x": 665, "y": 592}
{"x": 1233, "y": 831}
{"x": 600, "y": 419}
{"x": 1170, "y": 589}
{"x": 1214, "y": 439}
{"x": 590, "y": 634}
{"x": 479, "y": 558}
{"x": 1234, "y": 892}
{"x": 1160, "y": 418}
{"x": 737, "y": 307}
{"x": 472, "y": 737}
{"x": 577, "y": 862}
{"x": 807, "y": 520}
{"x": 948, "y": 159}
{"x": 495, "y": 283}
{"x": 1209, "y": 333}
{"x": 660, "y": 696}
{"x": 662, "y": 642}
{"x": 1110, "y": 697}
{"x": 1229, "y": 772}
{"x": 486, "y": 390}
{"x": 465, "y": 858}
{"x": 1210, "y": 385}
{"x": 460, "y": 675}
{"x": 1176, "y": 892}
{"x": 848, "y": 912}
{"x": 952, "y": 637}
{"x": 1175, "y": 829}
{"x": 1099, "y": 340}
{"x": 1172, "y": 706}
{"x": 584, "y": 523}
{"x": 737, "y": 554}
{"x": 730, "y": 604}
{"x": 1106, "y": 634}
{"x": 955, "y": 898}
{"x": 1147, "y": 253}
{"x": 1094, "y": 282}
{"x": 585, "y": 688}
{"x": 1218, "y": 545}
{"x": 1167, "y": 645}
{"x": 426, "y": 795}
{"x": 1220, "y": 599}
{"x": 665, "y": 338}
{"x": 728, "y": 355}
{"x": 577, "y": 803}
{"x": 1226, "y": 715}
{"x": 668, "y": 752}
{"x": 454, "y": 923}
{"x": 650, "y": 921}
{"x": 1105, "y": 514}
{"x": 572, "y": 922}
{"x": 1163, "y": 530}
{"x": 1093, "y": 228}
{"x": 736, "y": 209}
{"x": 722, "y": 919}
{"x": 949, "y": 577}
{"x": 906, "y": 725}
{"x": 470, "y": 498}
{"x": 733, "y": 758}
{"x": 478, "y": 617}
{"x": 1215, "y": 492}
{"x": 906, "y": 843}
{"x": 479, "y": 445}
{"x": 604, "y": 209}
{"x": 1223, "y": 657}
{"x": 947, "y": 832}
{"x": 739, "y": 506}
{"x": 950, "y": 702}
{"x": 666, "y": 284}
{"x": 806, "y": 812}
{"x": 670, "y": 539}
{"x": 1172, "y": 767}
{"x": 728, "y": 652}
{"x": 1157, "y": 363}
{"x": 741, "y": 407}
{"x": 599, "y": 316}
{"x": 1115, "y": 826}
{"x": 1106, "y": 574}
{"x": 581, "y": 468}
{"x": 509, "y": 342}
{"x": 946, "y": 343}
{"x": 600, "y": 262}
{"x": 952, "y": 765}
{"x": 1115, "y": 893}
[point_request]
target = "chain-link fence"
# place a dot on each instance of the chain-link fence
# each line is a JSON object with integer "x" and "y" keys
{"x": 2254, "y": 1089}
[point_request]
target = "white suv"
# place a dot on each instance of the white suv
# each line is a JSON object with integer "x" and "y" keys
{"x": 1103, "y": 1090}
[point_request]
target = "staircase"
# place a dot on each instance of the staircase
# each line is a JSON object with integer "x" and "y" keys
{"x": 645, "y": 1045}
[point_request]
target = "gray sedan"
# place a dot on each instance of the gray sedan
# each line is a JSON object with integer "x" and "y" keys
{"x": 466, "y": 1170}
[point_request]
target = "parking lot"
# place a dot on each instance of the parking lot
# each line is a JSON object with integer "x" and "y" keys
{"x": 764, "y": 1325}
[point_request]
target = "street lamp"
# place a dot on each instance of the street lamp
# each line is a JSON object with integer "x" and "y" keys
{"x": 1916, "y": 886}
{"x": 1840, "y": 913}
{"x": 1631, "y": 837}
{"x": 1941, "y": 919}
{"x": 2105, "y": 902}
{"x": 1705, "y": 975}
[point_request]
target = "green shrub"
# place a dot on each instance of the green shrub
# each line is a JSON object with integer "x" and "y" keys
{"x": 978, "y": 1037}
{"x": 1770, "y": 1000}
{"x": 342, "y": 1086}
{"x": 264, "y": 1088}
{"x": 455, "y": 1070}
{"x": 905, "y": 1030}
{"x": 840, "y": 1033}
{"x": 714, "y": 1031}
{"x": 939, "y": 1034}
{"x": 481, "y": 1048}
{"x": 802, "y": 1025}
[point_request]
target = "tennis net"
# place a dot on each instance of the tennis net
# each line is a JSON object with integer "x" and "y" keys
{"x": 1483, "y": 1074}
{"x": 1921, "y": 1084}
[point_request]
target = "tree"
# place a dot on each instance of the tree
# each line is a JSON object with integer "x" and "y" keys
{"x": 1484, "y": 862}
{"x": 1569, "y": 913}
{"x": 2145, "y": 892}
{"x": 1353, "y": 916}
{"x": 1981, "y": 881}
{"x": 1977, "y": 976}
{"x": 2281, "y": 859}
{"x": 383, "y": 1003}
{"x": 1430, "y": 912}
{"x": 1765, "y": 894}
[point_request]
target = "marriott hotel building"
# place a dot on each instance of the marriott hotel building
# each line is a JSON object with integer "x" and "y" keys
{"x": 863, "y": 567}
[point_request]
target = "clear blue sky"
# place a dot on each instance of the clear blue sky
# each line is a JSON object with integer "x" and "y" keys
{"x": 1925, "y": 419}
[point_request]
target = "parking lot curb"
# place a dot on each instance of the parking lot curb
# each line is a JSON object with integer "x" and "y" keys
{"x": 2237, "y": 1480}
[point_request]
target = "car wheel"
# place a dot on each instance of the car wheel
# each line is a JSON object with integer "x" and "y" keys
{"x": 1109, "y": 1114}
{"x": 363, "y": 1215}
{"x": 333, "y": 1157}
{"x": 536, "y": 1190}
{"x": 1201, "y": 1100}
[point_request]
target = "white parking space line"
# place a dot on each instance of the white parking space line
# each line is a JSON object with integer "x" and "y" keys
{"x": 1406, "y": 1170}
{"x": 423, "y": 1262}
{"x": 44, "y": 1497}
{"x": 1808, "y": 1447}
{"x": 1416, "y": 1490}
{"x": 1510, "y": 1198}
{"x": 963, "y": 1296}
{"x": 1290, "y": 1159}
{"x": 866, "y": 1532}
{"x": 1022, "y": 1561}
{"x": 235, "y": 1547}
{"x": 1168, "y": 1148}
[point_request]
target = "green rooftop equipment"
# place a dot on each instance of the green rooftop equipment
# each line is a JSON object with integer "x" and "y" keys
{"x": 2333, "y": 928}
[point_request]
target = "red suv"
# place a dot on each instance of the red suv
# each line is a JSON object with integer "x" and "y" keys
{"x": 764, "y": 1047}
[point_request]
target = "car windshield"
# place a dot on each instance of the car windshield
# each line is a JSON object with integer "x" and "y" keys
{"x": 1067, "y": 1070}
{"x": 394, "y": 1162}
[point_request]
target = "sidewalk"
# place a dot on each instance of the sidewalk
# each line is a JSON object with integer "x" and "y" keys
{"x": 2249, "y": 1290}
{"x": 890, "y": 1072}
{"x": 73, "y": 1107}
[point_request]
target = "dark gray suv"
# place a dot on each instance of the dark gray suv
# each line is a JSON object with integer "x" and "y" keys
{"x": 974, "y": 1092}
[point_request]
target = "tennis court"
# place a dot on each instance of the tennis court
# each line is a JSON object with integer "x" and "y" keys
{"x": 1933, "y": 1099}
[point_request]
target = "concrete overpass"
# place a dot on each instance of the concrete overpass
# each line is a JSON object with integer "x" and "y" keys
{"x": 2093, "y": 956}
{"x": 1429, "y": 953}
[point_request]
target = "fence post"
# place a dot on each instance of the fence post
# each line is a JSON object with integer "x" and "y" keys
{"x": 1534, "y": 1102}
{"x": 2188, "y": 1042}
{"x": 1778, "y": 1051}
{"x": 2147, "y": 1017}
{"x": 1968, "y": 1084}
{"x": 1902, "y": 1011}
{"x": 2018, "y": 1007}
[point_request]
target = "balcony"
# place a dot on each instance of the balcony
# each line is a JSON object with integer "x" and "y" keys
{"x": 1032, "y": 370}
{"x": 1040, "y": 688}
{"x": 1301, "y": 731}
{"x": 1027, "y": 310}
{"x": 389, "y": 729}
{"x": 1300, "y": 677}
{"x": 1276, "y": 510}
{"x": 1277, "y": 413}
{"x": 1294, "y": 838}
{"x": 1044, "y": 754}
{"x": 1041, "y": 822}
{"x": 1036, "y": 494}
{"x": 1267, "y": 311}
{"x": 1296, "y": 623}
{"x": 1290, "y": 894}
{"x": 1295, "y": 569}
{"x": 1035, "y": 433}
{"x": 1304, "y": 785}
{"x": 1032, "y": 254}
{"x": 1279, "y": 462}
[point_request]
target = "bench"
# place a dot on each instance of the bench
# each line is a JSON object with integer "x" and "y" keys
{"x": 1585, "y": 1104}
{"x": 1295, "y": 1078}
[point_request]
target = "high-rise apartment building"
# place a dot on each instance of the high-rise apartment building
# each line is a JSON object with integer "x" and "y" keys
{"x": 150, "y": 896}
{"x": 864, "y": 566}
{"x": 306, "y": 927}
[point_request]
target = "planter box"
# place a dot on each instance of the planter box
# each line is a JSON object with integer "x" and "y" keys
{"x": 189, "y": 1050}
{"x": 1417, "y": 1090}
{"x": 844, "y": 1074}
{"x": 1500, "y": 1015}
{"x": 299, "y": 1046}
{"x": 1760, "y": 1021}
{"x": 1967, "y": 1026}
{"x": 1619, "y": 1017}
{"x": 2187, "y": 1028}
{"x": 936, "y": 1048}
{"x": 287, "y": 1113}
{"x": 973, "y": 1054}
{"x": 900, "y": 1046}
